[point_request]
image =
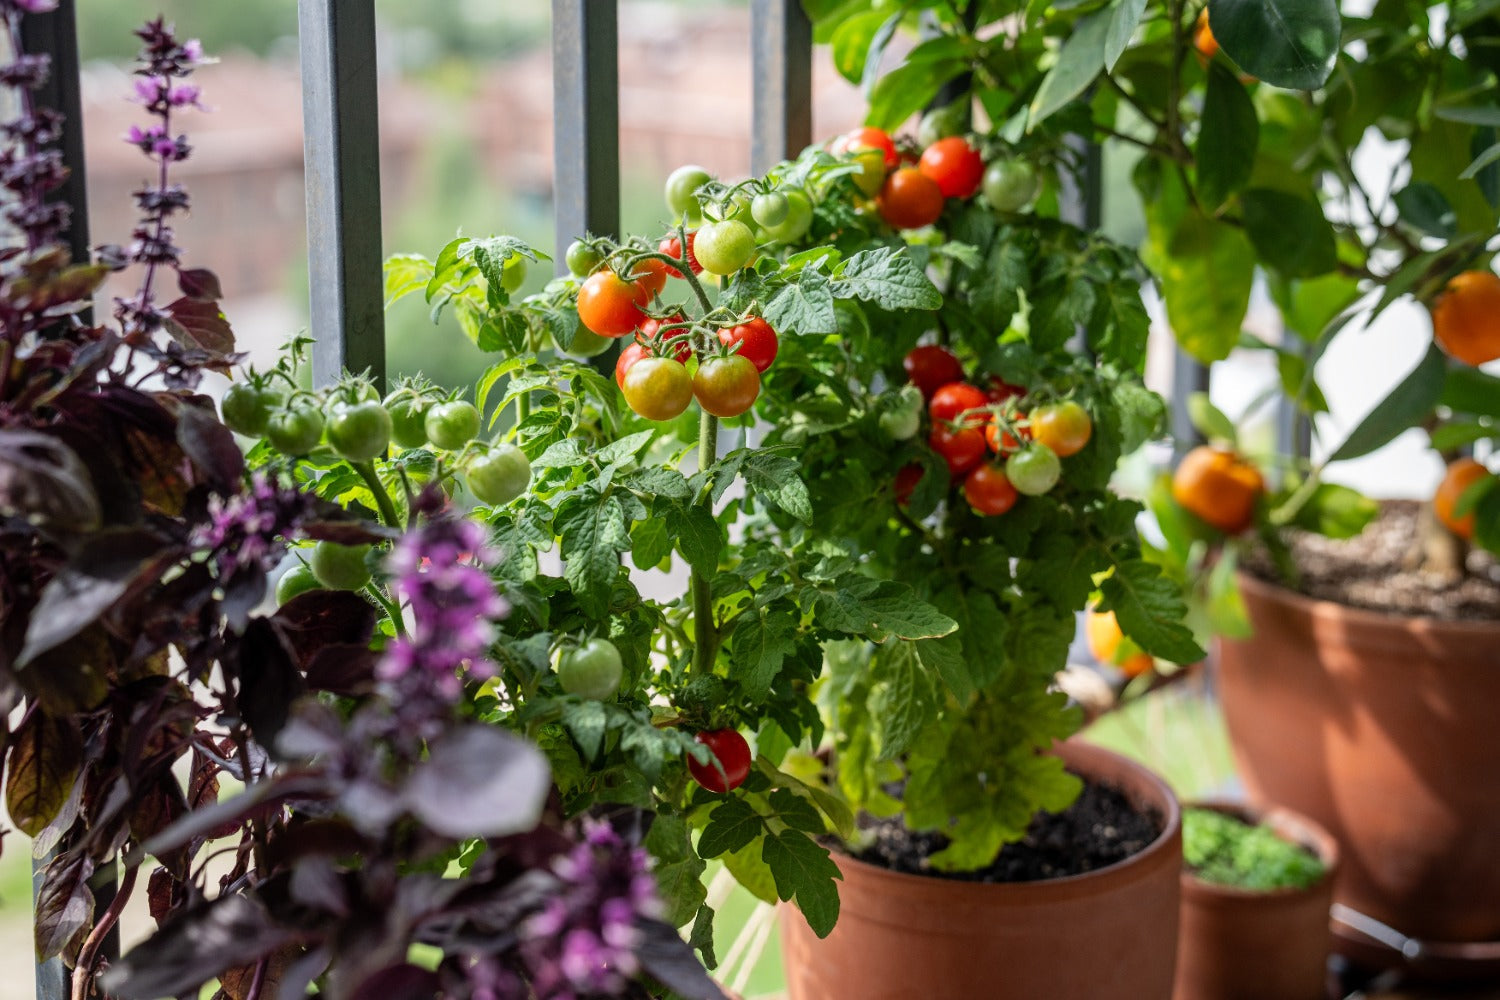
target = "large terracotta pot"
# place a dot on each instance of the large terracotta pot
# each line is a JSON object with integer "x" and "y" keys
{"x": 1386, "y": 730}
{"x": 1237, "y": 944}
{"x": 1109, "y": 933}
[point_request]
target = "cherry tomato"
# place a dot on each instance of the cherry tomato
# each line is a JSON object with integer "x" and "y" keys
{"x": 1064, "y": 427}
{"x": 910, "y": 199}
{"x": 869, "y": 137}
{"x": 1001, "y": 390}
{"x": 453, "y": 424}
{"x": 651, "y": 331}
{"x": 798, "y": 220}
{"x": 592, "y": 671}
{"x": 954, "y": 165}
{"x": 651, "y": 274}
{"x": 587, "y": 344}
{"x": 611, "y": 306}
{"x": 724, "y": 247}
{"x": 582, "y": 258}
{"x": 1034, "y": 469}
{"x": 906, "y": 482}
{"x": 682, "y": 184}
{"x": 900, "y": 425}
{"x": 632, "y": 353}
{"x": 658, "y": 388}
{"x": 408, "y": 419}
{"x": 962, "y": 449}
{"x": 769, "y": 209}
{"x": 1011, "y": 185}
{"x": 1001, "y": 441}
{"x": 989, "y": 491}
{"x": 296, "y": 429}
{"x": 297, "y": 580}
{"x": 930, "y": 368}
{"x": 513, "y": 273}
{"x": 758, "y": 342}
{"x": 726, "y": 387}
{"x": 732, "y": 754}
{"x": 247, "y": 408}
{"x": 872, "y": 169}
{"x": 956, "y": 398}
{"x": 499, "y": 475}
{"x": 672, "y": 247}
{"x": 360, "y": 431}
{"x": 341, "y": 567}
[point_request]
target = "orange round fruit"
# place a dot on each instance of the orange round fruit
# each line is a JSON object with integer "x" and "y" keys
{"x": 1219, "y": 487}
{"x": 1466, "y": 317}
{"x": 910, "y": 199}
{"x": 1462, "y": 474}
{"x": 1204, "y": 40}
{"x": 1102, "y": 631}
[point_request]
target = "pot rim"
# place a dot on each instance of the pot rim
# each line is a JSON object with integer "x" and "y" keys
{"x": 1323, "y": 609}
{"x": 1078, "y": 754}
{"x": 1284, "y": 823}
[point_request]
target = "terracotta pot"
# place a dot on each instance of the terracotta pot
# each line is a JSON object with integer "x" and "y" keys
{"x": 1109, "y": 933}
{"x": 1383, "y": 729}
{"x": 1237, "y": 944}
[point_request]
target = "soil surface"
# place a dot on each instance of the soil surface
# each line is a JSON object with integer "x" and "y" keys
{"x": 1098, "y": 830}
{"x": 1375, "y": 571}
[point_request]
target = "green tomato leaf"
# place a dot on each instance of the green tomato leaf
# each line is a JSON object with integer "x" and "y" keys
{"x": 797, "y": 812}
{"x": 803, "y": 307}
{"x": 593, "y": 532}
{"x": 732, "y": 826}
{"x": 804, "y": 871}
{"x": 887, "y": 277}
{"x": 1227, "y": 139}
{"x": 1286, "y": 43}
{"x": 761, "y": 641}
{"x": 1407, "y": 405}
{"x": 678, "y": 869}
{"x": 1290, "y": 233}
{"x": 1150, "y": 610}
{"x": 1207, "y": 269}
{"x": 775, "y": 478}
{"x": 586, "y": 723}
{"x": 903, "y": 701}
{"x": 1079, "y": 62}
{"x": 1336, "y": 511}
{"x": 405, "y": 274}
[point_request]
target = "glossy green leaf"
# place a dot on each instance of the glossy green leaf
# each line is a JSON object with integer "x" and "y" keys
{"x": 1227, "y": 139}
{"x": 1290, "y": 233}
{"x": 1336, "y": 511}
{"x": 1408, "y": 404}
{"x": 1126, "y": 17}
{"x": 1471, "y": 391}
{"x": 908, "y": 89}
{"x": 1211, "y": 421}
{"x": 1079, "y": 62}
{"x": 1424, "y": 208}
{"x": 1286, "y": 43}
{"x": 1207, "y": 269}
{"x": 854, "y": 40}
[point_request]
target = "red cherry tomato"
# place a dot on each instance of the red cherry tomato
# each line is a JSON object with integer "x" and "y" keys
{"x": 962, "y": 449}
{"x": 954, "y": 165}
{"x": 733, "y": 755}
{"x": 910, "y": 199}
{"x": 989, "y": 491}
{"x": 953, "y": 399}
{"x": 1002, "y": 441}
{"x": 726, "y": 387}
{"x": 758, "y": 342}
{"x": 871, "y": 137}
{"x": 930, "y": 368}
{"x": 632, "y": 353}
{"x": 651, "y": 274}
{"x": 609, "y": 305}
{"x": 906, "y": 482}
{"x": 651, "y": 331}
{"x": 672, "y": 247}
{"x": 1001, "y": 390}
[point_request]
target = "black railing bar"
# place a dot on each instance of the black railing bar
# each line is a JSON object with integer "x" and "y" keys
{"x": 781, "y": 71}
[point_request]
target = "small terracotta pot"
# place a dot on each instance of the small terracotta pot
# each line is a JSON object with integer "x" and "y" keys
{"x": 1383, "y": 729}
{"x": 1238, "y": 944}
{"x": 1109, "y": 933}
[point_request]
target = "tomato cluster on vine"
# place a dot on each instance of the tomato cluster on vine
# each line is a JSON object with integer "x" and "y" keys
{"x": 995, "y": 451}
{"x": 911, "y": 189}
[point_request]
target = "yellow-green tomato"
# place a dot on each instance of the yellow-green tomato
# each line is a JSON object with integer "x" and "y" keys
{"x": 452, "y": 425}
{"x": 499, "y": 475}
{"x": 297, "y": 580}
{"x": 799, "y": 217}
{"x": 682, "y": 185}
{"x": 341, "y": 567}
{"x": 587, "y": 344}
{"x": 871, "y": 175}
{"x": 1011, "y": 185}
{"x": 591, "y": 671}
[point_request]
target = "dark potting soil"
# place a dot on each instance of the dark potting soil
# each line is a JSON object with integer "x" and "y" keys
{"x": 1375, "y": 570}
{"x": 1100, "y": 828}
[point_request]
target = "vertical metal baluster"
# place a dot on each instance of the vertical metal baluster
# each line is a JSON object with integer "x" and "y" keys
{"x": 1293, "y": 427}
{"x": 585, "y": 121}
{"x": 1081, "y": 200}
{"x": 781, "y": 67}
{"x": 341, "y": 143}
{"x": 1188, "y": 376}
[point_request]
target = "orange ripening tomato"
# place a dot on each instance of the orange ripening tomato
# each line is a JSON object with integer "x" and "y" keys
{"x": 1102, "y": 631}
{"x": 1218, "y": 486}
{"x": 955, "y": 165}
{"x": 910, "y": 199}
{"x": 1204, "y": 40}
{"x": 611, "y": 306}
{"x": 1462, "y": 474}
{"x": 1466, "y": 317}
{"x": 869, "y": 137}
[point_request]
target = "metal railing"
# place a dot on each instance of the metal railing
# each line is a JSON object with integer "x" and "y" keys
{"x": 341, "y": 149}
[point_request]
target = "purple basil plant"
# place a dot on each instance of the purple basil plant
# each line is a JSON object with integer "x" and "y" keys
{"x": 143, "y": 672}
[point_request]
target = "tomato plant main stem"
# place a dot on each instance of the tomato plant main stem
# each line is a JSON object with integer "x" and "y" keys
{"x": 705, "y": 635}
{"x": 383, "y": 501}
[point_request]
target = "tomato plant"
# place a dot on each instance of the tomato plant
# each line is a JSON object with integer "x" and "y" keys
{"x": 757, "y": 341}
{"x": 724, "y": 247}
{"x": 954, "y": 165}
{"x": 1063, "y": 427}
{"x": 657, "y": 388}
{"x": 593, "y": 671}
{"x": 726, "y": 386}
{"x": 1034, "y": 469}
{"x": 956, "y": 399}
{"x": 247, "y": 408}
{"x": 611, "y": 306}
{"x": 452, "y": 425}
{"x": 989, "y": 490}
{"x": 499, "y": 474}
{"x": 341, "y": 567}
{"x": 729, "y": 763}
{"x": 909, "y": 199}
{"x": 295, "y": 429}
{"x": 962, "y": 448}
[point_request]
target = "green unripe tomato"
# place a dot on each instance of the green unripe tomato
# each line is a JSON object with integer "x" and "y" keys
{"x": 499, "y": 475}
{"x": 769, "y": 209}
{"x": 295, "y": 430}
{"x": 297, "y": 580}
{"x": 591, "y": 671}
{"x": 360, "y": 431}
{"x": 682, "y": 184}
{"x": 940, "y": 123}
{"x": 1033, "y": 470}
{"x": 871, "y": 175}
{"x": 408, "y": 420}
{"x": 899, "y": 425}
{"x": 582, "y": 258}
{"x": 1011, "y": 185}
{"x": 341, "y": 567}
{"x": 587, "y": 343}
{"x": 724, "y": 247}
{"x": 247, "y": 408}
{"x": 513, "y": 273}
{"x": 799, "y": 217}
{"x": 452, "y": 425}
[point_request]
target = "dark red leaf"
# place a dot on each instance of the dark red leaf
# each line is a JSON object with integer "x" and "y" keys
{"x": 201, "y": 324}
{"x": 199, "y": 283}
{"x": 64, "y": 904}
{"x": 160, "y": 891}
{"x": 343, "y": 668}
{"x": 479, "y": 781}
{"x": 43, "y": 480}
{"x": 45, "y": 759}
{"x": 269, "y": 680}
{"x": 321, "y": 618}
{"x": 671, "y": 962}
{"x": 211, "y": 447}
{"x": 398, "y": 982}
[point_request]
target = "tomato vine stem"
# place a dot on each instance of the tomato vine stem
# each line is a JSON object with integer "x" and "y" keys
{"x": 705, "y": 637}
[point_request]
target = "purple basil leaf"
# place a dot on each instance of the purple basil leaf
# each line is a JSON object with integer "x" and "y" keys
{"x": 300, "y": 974}
{"x": 261, "y": 797}
{"x": 479, "y": 782}
{"x": 211, "y": 447}
{"x": 42, "y": 479}
{"x": 269, "y": 681}
{"x": 316, "y": 883}
{"x": 200, "y": 324}
{"x": 322, "y": 618}
{"x": 64, "y": 904}
{"x": 199, "y": 283}
{"x": 672, "y": 963}
{"x": 343, "y": 668}
{"x": 398, "y": 982}
{"x": 46, "y": 758}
